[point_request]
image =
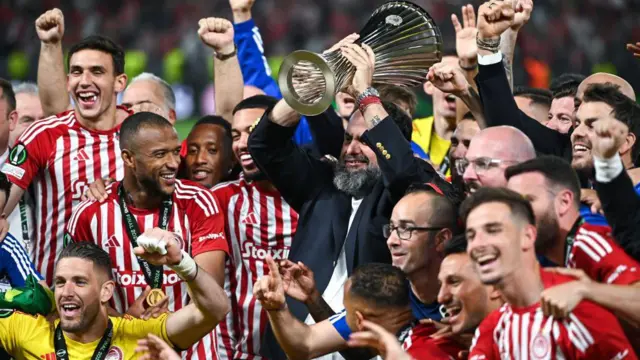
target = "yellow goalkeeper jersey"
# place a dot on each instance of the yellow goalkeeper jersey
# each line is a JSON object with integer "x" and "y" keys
{"x": 29, "y": 337}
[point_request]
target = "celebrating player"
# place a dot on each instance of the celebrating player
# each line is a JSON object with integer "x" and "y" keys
{"x": 83, "y": 287}
{"x": 60, "y": 155}
{"x": 151, "y": 196}
{"x": 501, "y": 234}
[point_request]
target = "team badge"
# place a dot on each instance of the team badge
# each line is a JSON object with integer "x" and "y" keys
{"x": 540, "y": 347}
{"x": 5, "y": 313}
{"x": 18, "y": 155}
{"x": 115, "y": 353}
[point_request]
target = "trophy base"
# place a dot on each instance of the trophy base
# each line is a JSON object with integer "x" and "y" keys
{"x": 320, "y": 99}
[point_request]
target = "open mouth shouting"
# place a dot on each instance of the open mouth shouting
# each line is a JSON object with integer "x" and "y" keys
{"x": 246, "y": 160}
{"x": 87, "y": 99}
{"x": 69, "y": 309}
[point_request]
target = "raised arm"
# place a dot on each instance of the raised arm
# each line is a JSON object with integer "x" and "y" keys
{"x": 52, "y": 80}
{"x": 209, "y": 304}
{"x": 523, "y": 9}
{"x": 217, "y": 34}
{"x": 298, "y": 340}
{"x": 500, "y": 107}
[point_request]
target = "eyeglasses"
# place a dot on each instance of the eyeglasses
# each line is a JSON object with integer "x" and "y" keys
{"x": 480, "y": 164}
{"x": 405, "y": 232}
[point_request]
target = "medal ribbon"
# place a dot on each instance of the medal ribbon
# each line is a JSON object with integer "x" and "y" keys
{"x": 100, "y": 352}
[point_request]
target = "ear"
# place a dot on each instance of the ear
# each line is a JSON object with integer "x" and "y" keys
{"x": 127, "y": 157}
{"x": 172, "y": 116}
{"x": 529, "y": 238}
{"x": 442, "y": 237}
{"x": 563, "y": 202}
{"x": 628, "y": 143}
{"x": 107, "y": 291}
{"x": 359, "y": 320}
{"x": 120, "y": 83}
{"x": 13, "y": 121}
{"x": 428, "y": 88}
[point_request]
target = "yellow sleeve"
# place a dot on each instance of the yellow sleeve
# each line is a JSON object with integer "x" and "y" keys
{"x": 13, "y": 327}
{"x": 138, "y": 328}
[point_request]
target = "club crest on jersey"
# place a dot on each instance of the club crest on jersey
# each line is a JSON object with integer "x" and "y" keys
{"x": 115, "y": 353}
{"x": 540, "y": 347}
{"x": 18, "y": 155}
{"x": 5, "y": 313}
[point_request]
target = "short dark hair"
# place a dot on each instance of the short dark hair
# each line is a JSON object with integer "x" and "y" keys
{"x": 104, "y": 44}
{"x": 457, "y": 245}
{"x": 519, "y": 206}
{"x": 557, "y": 172}
{"x": 224, "y": 124}
{"x": 382, "y": 284}
{"x": 566, "y": 85}
{"x": 87, "y": 250}
{"x": 395, "y": 94}
{"x": 132, "y": 125}
{"x": 623, "y": 109}
{"x": 402, "y": 120}
{"x": 445, "y": 211}
{"x": 8, "y": 95}
{"x": 537, "y": 96}
{"x": 256, "y": 102}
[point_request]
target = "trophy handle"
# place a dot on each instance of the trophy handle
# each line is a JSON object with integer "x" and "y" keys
{"x": 285, "y": 82}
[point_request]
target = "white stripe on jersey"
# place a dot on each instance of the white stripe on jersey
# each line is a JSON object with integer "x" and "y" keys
{"x": 12, "y": 246}
{"x": 46, "y": 125}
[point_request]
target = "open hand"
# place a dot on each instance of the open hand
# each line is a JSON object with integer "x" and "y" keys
{"x": 138, "y": 310}
{"x": 154, "y": 348}
{"x": 634, "y": 49}
{"x": 560, "y": 300}
{"x": 364, "y": 60}
{"x": 298, "y": 281}
{"x": 97, "y": 191}
{"x": 376, "y": 337}
{"x": 466, "y": 45}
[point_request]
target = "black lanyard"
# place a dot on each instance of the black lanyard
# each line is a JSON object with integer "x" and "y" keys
{"x": 24, "y": 222}
{"x": 100, "y": 352}
{"x": 571, "y": 238}
{"x": 152, "y": 273}
{"x": 405, "y": 331}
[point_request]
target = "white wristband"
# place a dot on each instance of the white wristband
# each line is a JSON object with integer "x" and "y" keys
{"x": 607, "y": 169}
{"x": 187, "y": 269}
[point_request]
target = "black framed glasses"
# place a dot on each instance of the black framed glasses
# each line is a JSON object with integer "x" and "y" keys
{"x": 405, "y": 232}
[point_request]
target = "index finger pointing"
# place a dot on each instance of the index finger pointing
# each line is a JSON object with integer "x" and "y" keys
{"x": 274, "y": 272}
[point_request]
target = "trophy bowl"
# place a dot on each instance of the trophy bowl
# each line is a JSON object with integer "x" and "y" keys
{"x": 404, "y": 39}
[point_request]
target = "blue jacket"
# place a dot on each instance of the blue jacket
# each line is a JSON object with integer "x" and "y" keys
{"x": 256, "y": 71}
{"x": 15, "y": 263}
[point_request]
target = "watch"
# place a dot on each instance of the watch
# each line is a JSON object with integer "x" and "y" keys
{"x": 223, "y": 57}
{"x": 370, "y": 91}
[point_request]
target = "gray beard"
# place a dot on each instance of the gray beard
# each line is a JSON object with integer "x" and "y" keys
{"x": 358, "y": 183}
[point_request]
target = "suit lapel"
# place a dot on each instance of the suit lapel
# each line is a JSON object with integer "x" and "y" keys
{"x": 340, "y": 222}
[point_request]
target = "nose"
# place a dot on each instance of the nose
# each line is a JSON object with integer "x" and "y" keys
{"x": 85, "y": 78}
{"x": 579, "y": 132}
{"x": 470, "y": 173}
{"x": 68, "y": 289}
{"x": 174, "y": 161}
{"x": 354, "y": 148}
{"x": 242, "y": 142}
{"x": 201, "y": 157}
{"x": 460, "y": 152}
{"x": 444, "y": 295}
{"x": 393, "y": 240}
{"x": 553, "y": 124}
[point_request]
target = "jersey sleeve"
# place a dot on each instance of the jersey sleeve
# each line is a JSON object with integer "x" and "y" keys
{"x": 15, "y": 262}
{"x": 139, "y": 328}
{"x": 597, "y": 254}
{"x": 79, "y": 225}
{"x": 592, "y": 340}
{"x": 30, "y": 154}
{"x": 339, "y": 322}
{"x": 207, "y": 224}
{"x": 483, "y": 346}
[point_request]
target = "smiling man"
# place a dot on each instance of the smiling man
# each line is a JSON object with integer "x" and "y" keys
{"x": 59, "y": 156}
{"x": 150, "y": 196}
{"x": 209, "y": 157}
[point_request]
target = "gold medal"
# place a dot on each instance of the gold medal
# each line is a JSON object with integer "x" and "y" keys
{"x": 154, "y": 297}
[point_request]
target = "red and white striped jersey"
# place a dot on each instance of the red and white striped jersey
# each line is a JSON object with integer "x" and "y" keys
{"x": 59, "y": 158}
{"x": 258, "y": 222}
{"x": 596, "y": 253}
{"x": 590, "y": 332}
{"x": 197, "y": 220}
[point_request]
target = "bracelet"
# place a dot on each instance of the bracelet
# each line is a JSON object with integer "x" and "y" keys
{"x": 488, "y": 45}
{"x": 187, "y": 269}
{"x": 223, "y": 57}
{"x": 368, "y": 100}
{"x": 467, "y": 68}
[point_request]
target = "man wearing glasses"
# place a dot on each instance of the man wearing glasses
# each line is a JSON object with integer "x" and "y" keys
{"x": 491, "y": 151}
{"x": 421, "y": 223}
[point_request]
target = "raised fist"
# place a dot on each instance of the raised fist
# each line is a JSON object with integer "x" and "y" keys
{"x": 217, "y": 33}
{"x": 607, "y": 137}
{"x": 50, "y": 26}
{"x": 448, "y": 78}
{"x": 241, "y": 5}
{"x": 494, "y": 17}
{"x": 523, "y": 9}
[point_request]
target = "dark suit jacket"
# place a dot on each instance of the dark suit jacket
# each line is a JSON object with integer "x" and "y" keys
{"x": 306, "y": 183}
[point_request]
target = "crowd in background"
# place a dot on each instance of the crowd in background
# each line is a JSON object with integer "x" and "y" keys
{"x": 580, "y": 36}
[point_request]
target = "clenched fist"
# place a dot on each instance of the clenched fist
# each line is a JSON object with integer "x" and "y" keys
{"x": 448, "y": 78}
{"x": 217, "y": 33}
{"x": 607, "y": 137}
{"x": 50, "y": 26}
{"x": 494, "y": 17}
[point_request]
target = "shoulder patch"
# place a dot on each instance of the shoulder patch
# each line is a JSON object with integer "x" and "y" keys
{"x": 5, "y": 313}
{"x": 18, "y": 154}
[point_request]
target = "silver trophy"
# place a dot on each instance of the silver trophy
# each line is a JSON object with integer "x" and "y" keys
{"x": 404, "y": 38}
